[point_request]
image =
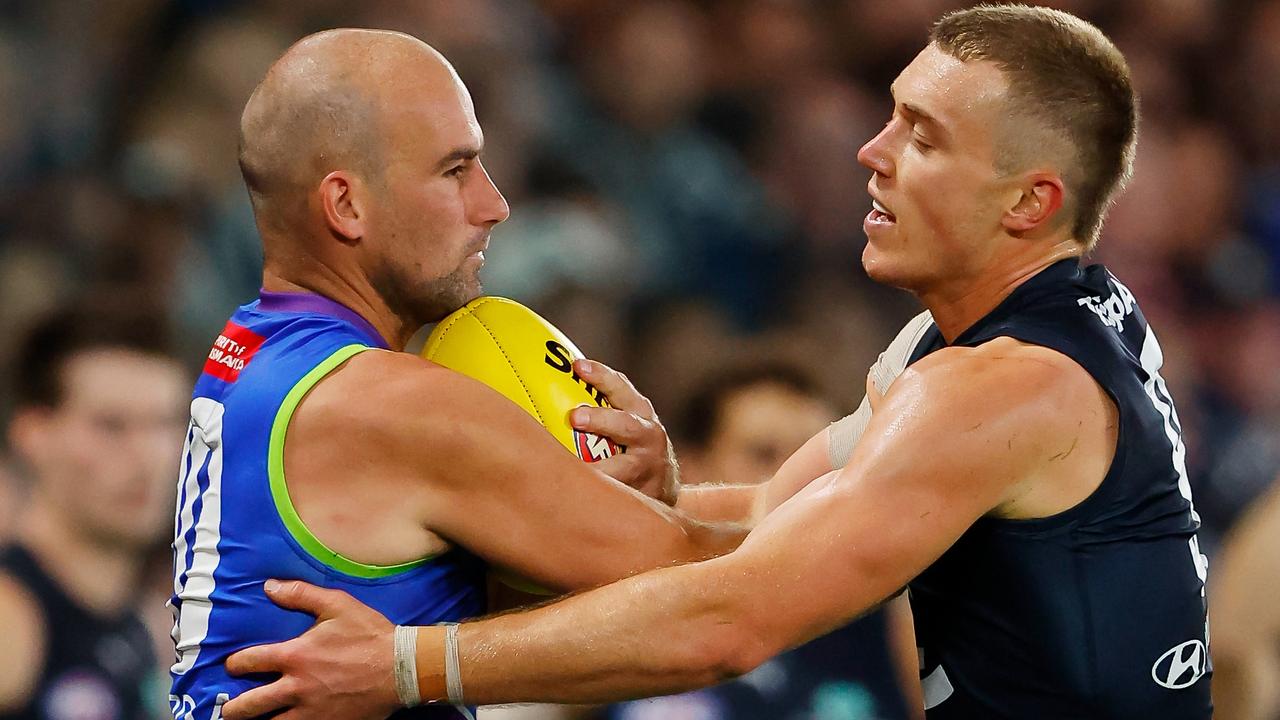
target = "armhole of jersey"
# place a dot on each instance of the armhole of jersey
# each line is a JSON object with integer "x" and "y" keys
{"x": 280, "y": 491}
{"x": 1068, "y": 349}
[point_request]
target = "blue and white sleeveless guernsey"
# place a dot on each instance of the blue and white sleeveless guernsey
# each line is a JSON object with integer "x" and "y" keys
{"x": 1097, "y": 612}
{"x": 235, "y": 524}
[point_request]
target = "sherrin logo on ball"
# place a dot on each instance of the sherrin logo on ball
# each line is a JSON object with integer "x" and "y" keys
{"x": 515, "y": 351}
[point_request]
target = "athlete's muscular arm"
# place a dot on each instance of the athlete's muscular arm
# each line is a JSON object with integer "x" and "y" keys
{"x": 472, "y": 467}
{"x": 1245, "y": 617}
{"x": 828, "y": 450}
{"x": 956, "y": 437}
{"x": 747, "y": 504}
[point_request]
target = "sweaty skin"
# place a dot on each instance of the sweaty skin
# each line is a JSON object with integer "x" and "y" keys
{"x": 361, "y": 152}
{"x": 851, "y": 539}
{"x": 960, "y": 435}
{"x": 866, "y": 530}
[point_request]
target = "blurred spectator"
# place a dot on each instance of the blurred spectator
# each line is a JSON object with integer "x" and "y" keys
{"x": 659, "y": 154}
{"x": 682, "y": 176}
{"x": 96, "y": 426}
{"x": 564, "y": 235}
{"x": 742, "y": 423}
{"x": 699, "y": 223}
{"x": 9, "y": 493}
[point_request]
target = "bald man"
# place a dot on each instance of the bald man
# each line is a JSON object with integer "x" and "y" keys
{"x": 317, "y": 450}
{"x": 1025, "y": 476}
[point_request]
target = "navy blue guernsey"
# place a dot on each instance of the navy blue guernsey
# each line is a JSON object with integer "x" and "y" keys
{"x": 1097, "y": 612}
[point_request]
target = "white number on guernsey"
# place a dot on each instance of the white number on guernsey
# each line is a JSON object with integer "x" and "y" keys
{"x": 183, "y": 708}
{"x": 1152, "y": 360}
{"x": 197, "y": 536}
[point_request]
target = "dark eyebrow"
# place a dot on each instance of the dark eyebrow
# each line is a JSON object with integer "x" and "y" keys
{"x": 458, "y": 153}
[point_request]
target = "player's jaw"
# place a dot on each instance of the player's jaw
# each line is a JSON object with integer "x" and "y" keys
{"x": 884, "y": 257}
{"x": 465, "y": 280}
{"x": 418, "y": 295}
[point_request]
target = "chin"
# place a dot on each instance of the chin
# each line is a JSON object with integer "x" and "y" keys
{"x": 876, "y": 265}
{"x": 443, "y": 296}
{"x": 885, "y": 271}
{"x": 470, "y": 292}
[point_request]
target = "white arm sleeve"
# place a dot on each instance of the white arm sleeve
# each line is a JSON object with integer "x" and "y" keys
{"x": 843, "y": 434}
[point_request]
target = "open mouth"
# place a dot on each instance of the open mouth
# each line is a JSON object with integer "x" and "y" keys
{"x": 880, "y": 214}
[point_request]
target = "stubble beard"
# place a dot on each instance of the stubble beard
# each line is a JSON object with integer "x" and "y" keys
{"x": 419, "y": 302}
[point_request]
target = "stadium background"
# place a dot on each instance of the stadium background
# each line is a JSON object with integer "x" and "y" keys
{"x": 682, "y": 176}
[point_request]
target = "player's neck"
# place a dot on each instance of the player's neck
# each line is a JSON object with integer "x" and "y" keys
{"x": 360, "y": 299}
{"x": 958, "y": 304}
{"x": 102, "y": 577}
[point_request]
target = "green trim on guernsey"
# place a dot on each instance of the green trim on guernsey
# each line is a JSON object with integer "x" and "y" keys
{"x": 280, "y": 491}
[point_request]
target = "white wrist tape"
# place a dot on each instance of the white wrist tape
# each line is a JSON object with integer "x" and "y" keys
{"x": 452, "y": 669}
{"x": 406, "y": 666}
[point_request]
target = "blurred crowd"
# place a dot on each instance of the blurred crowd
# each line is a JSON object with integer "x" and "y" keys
{"x": 682, "y": 175}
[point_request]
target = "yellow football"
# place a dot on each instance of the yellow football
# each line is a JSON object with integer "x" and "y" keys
{"x": 513, "y": 350}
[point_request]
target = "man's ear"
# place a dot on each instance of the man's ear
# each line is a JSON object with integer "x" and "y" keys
{"x": 342, "y": 201}
{"x": 1037, "y": 205}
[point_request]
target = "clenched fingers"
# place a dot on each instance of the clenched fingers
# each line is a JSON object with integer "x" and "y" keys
{"x": 621, "y": 426}
{"x": 626, "y": 469}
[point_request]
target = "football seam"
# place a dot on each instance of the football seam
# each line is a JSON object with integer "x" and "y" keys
{"x": 445, "y": 330}
{"x": 514, "y": 371}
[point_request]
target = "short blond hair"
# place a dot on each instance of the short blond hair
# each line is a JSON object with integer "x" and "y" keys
{"x": 1066, "y": 75}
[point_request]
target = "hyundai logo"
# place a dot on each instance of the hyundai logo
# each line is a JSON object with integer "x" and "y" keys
{"x": 1182, "y": 666}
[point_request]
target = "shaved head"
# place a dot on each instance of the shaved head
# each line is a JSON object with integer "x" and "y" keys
{"x": 361, "y": 152}
{"x": 321, "y": 108}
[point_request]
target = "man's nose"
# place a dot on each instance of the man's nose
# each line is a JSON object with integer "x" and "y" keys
{"x": 493, "y": 207}
{"x": 875, "y": 155}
